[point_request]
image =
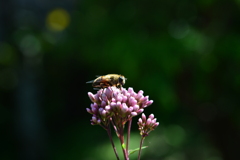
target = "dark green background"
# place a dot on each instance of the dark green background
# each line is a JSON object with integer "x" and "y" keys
{"x": 183, "y": 54}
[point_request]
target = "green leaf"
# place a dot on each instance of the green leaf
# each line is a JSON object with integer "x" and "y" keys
{"x": 137, "y": 149}
{"x": 123, "y": 146}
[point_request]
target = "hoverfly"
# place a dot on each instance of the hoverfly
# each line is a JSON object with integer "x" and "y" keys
{"x": 108, "y": 80}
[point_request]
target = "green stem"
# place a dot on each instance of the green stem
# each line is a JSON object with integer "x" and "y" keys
{"x": 140, "y": 148}
{"x": 110, "y": 137}
{"x": 128, "y": 133}
{"x": 121, "y": 137}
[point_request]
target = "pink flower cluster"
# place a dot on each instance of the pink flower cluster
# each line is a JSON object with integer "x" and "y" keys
{"x": 146, "y": 125}
{"x": 118, "y": 105}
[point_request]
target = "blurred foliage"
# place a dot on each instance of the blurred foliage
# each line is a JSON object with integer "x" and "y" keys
{"x": 184, "y": 54}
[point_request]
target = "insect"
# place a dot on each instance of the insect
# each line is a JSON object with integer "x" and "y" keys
{"x": 108, "y": 80}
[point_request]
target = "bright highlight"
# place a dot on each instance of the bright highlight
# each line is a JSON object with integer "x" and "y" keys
{"x": 57, "y": 19}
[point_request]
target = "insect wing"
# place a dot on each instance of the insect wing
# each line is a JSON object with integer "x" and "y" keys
{"x": 90, "y": 81}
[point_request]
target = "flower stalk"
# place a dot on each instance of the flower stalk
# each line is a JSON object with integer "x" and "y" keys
{"x": 111, "y": 140}
{"x": 140, "y": 148}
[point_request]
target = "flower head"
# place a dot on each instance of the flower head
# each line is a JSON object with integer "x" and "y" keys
{"x": 116, "y": 104}
{"x": 146, "y": 125}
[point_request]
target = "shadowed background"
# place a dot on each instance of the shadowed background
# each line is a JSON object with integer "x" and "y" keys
{"x": 183, "y": 54}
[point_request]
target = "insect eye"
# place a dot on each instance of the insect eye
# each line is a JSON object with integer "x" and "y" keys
{"x": 120, "y": 79}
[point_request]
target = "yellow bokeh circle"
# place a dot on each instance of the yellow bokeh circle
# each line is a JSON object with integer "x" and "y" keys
{"x": 58, "y": 19}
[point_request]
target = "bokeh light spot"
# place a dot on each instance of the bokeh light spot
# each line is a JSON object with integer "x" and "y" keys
{"x": 57, "y": 19}
{"x": 30, "y": 45}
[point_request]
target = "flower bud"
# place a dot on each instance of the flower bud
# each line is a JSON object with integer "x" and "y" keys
{"x": 119, "y": 98}
{"x": 154, "y": 120}
{"x": 155, "y": 125}
{"x": 148, "y": 122}
{"x": 130, "y": 90}
{"x": 108, "y": 92}
{"x": 89, "y": 110}
{"x": 135, "y": 107}
{"x": 143, "y": 99}
{"x": 103, "y": 113}
{"x": 103, "y": 104}
{"x": 124, "y": 108}
{"x": 94, "y": 118}
{"x": 118, "y": 104}
{"x": 132, "y": 101}
{"x": 130, "y": 109}
{"x": 140, "y": 120}
{"x": 134, "y": 114}
{"x": 98, "y": 121}
{"x": 107, "y": 107}
{"x": 91, "y": 96}
{"x": 143, "y": 117}
{"x": 140, "y": 111}
{"x": 151, "y": 116}
{"x": 124, "y": 99}
{"x": 149, "y": 102}
{"x": 100, "y": 110}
